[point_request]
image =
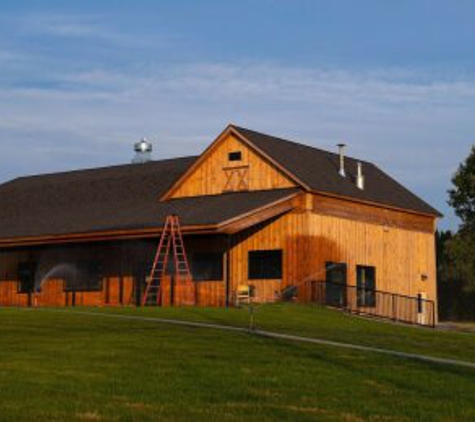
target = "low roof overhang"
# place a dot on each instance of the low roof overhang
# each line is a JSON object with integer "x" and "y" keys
{"x": 227, "y": 226}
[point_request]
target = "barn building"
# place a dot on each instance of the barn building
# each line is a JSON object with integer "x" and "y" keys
{"x": 255, "y": 210}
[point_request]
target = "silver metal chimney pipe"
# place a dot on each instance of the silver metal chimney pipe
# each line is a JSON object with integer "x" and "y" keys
{"x": 341, "y": 152}
{"x": 359, "y": 176}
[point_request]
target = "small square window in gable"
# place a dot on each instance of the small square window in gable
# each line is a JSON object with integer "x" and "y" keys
{"x": 235, "y": 156}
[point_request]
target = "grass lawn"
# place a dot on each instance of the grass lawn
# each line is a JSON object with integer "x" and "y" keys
{"x": 65, "y": 366}
{"x": 313, "y": 321}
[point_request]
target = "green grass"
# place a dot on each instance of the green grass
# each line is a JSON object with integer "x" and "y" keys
{"x": 64, "y": 366}
{"x": 313, "y": 321}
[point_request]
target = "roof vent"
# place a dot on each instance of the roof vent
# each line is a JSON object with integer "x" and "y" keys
{"x": 341, "y": 152}
{"x": 359, "y": 176}
{"x": 143, "y": 152}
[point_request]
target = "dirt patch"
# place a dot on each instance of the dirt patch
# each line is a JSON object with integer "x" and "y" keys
{"x": 89, "y": 416}
{"x": 461, "y": 327}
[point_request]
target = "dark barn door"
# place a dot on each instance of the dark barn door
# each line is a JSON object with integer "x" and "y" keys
{"x": 335, "y": 292}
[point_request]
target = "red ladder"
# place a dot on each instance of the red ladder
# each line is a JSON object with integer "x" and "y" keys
{"x": 170, "y": 240}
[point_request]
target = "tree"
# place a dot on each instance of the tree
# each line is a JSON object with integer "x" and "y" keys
{"x": 460, "y": 259}
{"x": 456, "y": 296}
{"x": 460, "y": 249}
{"x": 462, "y": 196}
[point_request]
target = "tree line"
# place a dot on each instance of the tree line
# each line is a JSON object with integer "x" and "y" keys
{"x": 456, "y": 250}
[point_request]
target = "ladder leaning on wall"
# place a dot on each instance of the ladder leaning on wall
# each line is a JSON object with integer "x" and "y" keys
{"x": 171, "y": 242}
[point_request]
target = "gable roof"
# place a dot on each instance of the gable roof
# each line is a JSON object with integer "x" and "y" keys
{"x": 125, "y": 197}
{"x": 114, "y": 199}
{"x": 317, "y": 170}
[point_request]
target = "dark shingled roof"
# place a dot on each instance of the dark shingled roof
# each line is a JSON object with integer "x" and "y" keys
{"x": 127, "y": 196}
{"x": 318, "y": 169}
{"x": 113, "y": 198}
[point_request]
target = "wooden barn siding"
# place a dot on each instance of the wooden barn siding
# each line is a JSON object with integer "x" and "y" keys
{"x": 116, "y": 289}
{"x": 53, "y": 294}
{"x": 199, "y": 293}
{"x": 371, "y": 214}
{"x": 400, "y": 256}
{"x": 9, "y": 294}
{"x": 206, "y": 293}
{"x": 401, "y": 247}
{"x": 284, "y": 233}
{"x": 209, "y": 177}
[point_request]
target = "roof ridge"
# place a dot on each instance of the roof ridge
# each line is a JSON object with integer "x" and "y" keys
{"x": 300, "y": 144}
{"x": 92, "y": 169}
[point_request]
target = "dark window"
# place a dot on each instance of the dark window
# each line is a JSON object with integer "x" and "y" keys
{"x": 207, "y": 266}
{"x": 26, "y": 277}
{"x": 335, "y": 291}
{"x": 265, "y": 265}
{"x": 87, "y": 277}
{"x": 366, "y": 286}
{"x": 235, "y": 156}
{"x": 335, "y": 272}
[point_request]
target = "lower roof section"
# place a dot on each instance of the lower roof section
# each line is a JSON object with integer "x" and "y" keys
{"x": 226, "y": 213}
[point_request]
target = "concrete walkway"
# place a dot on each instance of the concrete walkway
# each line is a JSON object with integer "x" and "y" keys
{"x": 273, "y": 335}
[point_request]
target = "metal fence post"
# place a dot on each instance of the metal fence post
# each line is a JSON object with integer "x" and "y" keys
{"x": 394, "y": 311}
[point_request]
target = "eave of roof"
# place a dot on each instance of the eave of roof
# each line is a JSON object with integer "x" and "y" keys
{"x": 217, "y": 214}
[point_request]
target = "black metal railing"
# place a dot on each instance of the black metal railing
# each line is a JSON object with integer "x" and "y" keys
{"x": 376, "y": 303}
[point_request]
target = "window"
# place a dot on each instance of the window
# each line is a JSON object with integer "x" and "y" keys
{"x": 207, "y": 266}
{"x": 86, "y": 278}
{"x": 335, "y": 272}
{"x": 366, "y": 286}
{"x": 265, "y": 265}
{"x": 26, "y": 277}
{"x": 235, "y": 156}
{"x": 335, "y": 288}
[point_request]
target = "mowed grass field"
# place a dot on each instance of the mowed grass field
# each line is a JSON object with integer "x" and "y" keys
{"x": 60, "y": 365}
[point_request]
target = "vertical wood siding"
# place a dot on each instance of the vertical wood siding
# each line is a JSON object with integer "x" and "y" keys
{"x": 309, "y": 239}
{"x": 209, "y": 178}
{"x": 399, "y": 245}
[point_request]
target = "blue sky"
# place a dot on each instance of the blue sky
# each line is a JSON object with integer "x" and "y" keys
{"x": 81, "y": 81}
